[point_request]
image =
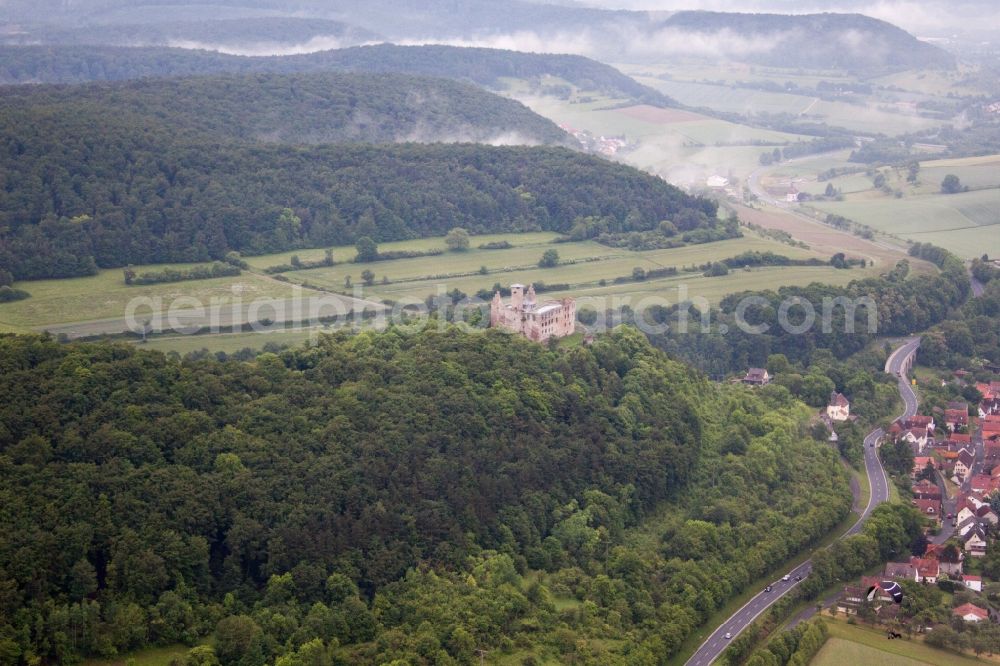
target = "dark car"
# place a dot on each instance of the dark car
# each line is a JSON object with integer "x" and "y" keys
{"x": 767, "y": 589}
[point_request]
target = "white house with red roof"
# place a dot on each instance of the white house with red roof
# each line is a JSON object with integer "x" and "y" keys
{"x": 970, "y": 613}
{"x": 974, "y": 583}
{"x": 928, "y": 569}
{"x": 839, "y": 407}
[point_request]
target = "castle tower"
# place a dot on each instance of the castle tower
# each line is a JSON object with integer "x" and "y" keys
{"x": 529, "y": 299}
{"x": 496, "y": 309}
{"x": 516, "y": 295}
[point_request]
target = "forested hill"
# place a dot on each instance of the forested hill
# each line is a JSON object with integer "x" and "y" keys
{"x": 291, "y": 508}
{"x": 80, "y": 185}
{"x": 822, "y": 41}
{"x": 486, "y": 67}
{"x": 319, "y": 107}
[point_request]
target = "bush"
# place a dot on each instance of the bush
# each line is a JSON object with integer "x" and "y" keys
{"x": 9, "y": 294}
{"x": 549, "y": 259}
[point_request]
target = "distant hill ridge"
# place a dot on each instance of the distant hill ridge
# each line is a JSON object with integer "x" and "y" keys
{"x": 850, "y": 41}
{"x": 485, "y": 67}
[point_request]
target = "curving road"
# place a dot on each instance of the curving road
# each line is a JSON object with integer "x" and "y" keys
{"x": 898, "y": 364}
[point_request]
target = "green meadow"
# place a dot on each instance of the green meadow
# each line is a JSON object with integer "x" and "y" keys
{"x": 968, "y": 223}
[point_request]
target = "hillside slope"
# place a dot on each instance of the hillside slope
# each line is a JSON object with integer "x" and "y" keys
{"x": 290, "y": 507}
{"x": 319, "y": 107}
{"x": 85, "y": 181}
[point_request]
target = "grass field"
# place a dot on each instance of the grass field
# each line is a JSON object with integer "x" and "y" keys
{"x": 419, "y": 277}
{"x": 681, "y": 147}
{"x": 725, "y": 98}
{"x": 346, "y": 252}
{"x": 856, "y": 644}
{"x": 106, "y": 295}
{"x": 233, "y": 342}
{"x": 968, "y": 224}
{"x": 95, "y": 305}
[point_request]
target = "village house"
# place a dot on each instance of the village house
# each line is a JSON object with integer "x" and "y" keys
{"x": 919, "y": 421}
{"x": 757, "y": 377}
{"x": 526, "y": 316}
{"x": 972, "y": 506}
{"x": 928, "y": 569}
{"x": 956, "y": 419}
{"x": 916, "y": 438}
{"x": 970, "y": 613}
{"x": 839, "y": 408}
{"x": 900, "y": 571}
{"x": 984, "y": 484}
{"x": 850, "y": 599}
{"x": 928, "y": 508}
{"x": 991, "y": 426}
{"x": 926, "y": 490}
{"x": 991, "y": 451}
{"x": 972, "y": 535}
{"x": 950, "y": 558}
{"x": 974, "y": 583}
{"x": 963, "y": 465}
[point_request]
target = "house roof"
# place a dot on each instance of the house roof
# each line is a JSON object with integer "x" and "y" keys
{"x": 756, "y": 373}
{"x": 918, "y": 421}
{"x": 838, "y": 400}
{"x": 928, "y": 507}
{"x": 966, "y": 457}
{"x": 983, "y": 483}
{"x": 956, "y": 416}
{"x": 959, "y": 438}
{"x": 969, "y": 609}
{"x": 900, "y": 570}
{"x": 926, "y": 567}
{"x": 971, "y": 577}
{"x": 940, "y": 552}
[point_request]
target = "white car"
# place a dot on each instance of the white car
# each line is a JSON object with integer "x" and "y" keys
{"x": 728, "y": 635}
{"x": 786, "y": 578}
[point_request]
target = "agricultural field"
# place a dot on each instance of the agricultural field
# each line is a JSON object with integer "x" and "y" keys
{"x": 931, "y": 82}
{"x": 695, "y": 71}
{"x": 968, "y": 223}
{"x": 868, "y": 118}
{"x": 679, "y": 146}
{"x": 583, "y": 266}
{"x": 234, "y": 342}
{"x": 96, "y": 305}
{"x": 106, "y": 295}
{"x": 855, "y": 644}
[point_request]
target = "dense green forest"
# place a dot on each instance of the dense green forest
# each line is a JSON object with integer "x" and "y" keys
{"x": 969, "y": 338}
{"x": 81, "y": 187}
{"x": 899, "y": 304}
{"x": 318, "y": 107}
{"x": 485, "y": 67}
{"x": 288, "y": 506}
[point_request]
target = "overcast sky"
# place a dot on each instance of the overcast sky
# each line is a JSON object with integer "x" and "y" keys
{"x": 923, "y": 17}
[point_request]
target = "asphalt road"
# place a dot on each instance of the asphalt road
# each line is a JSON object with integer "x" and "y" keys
{"x": 879, "y": 482}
